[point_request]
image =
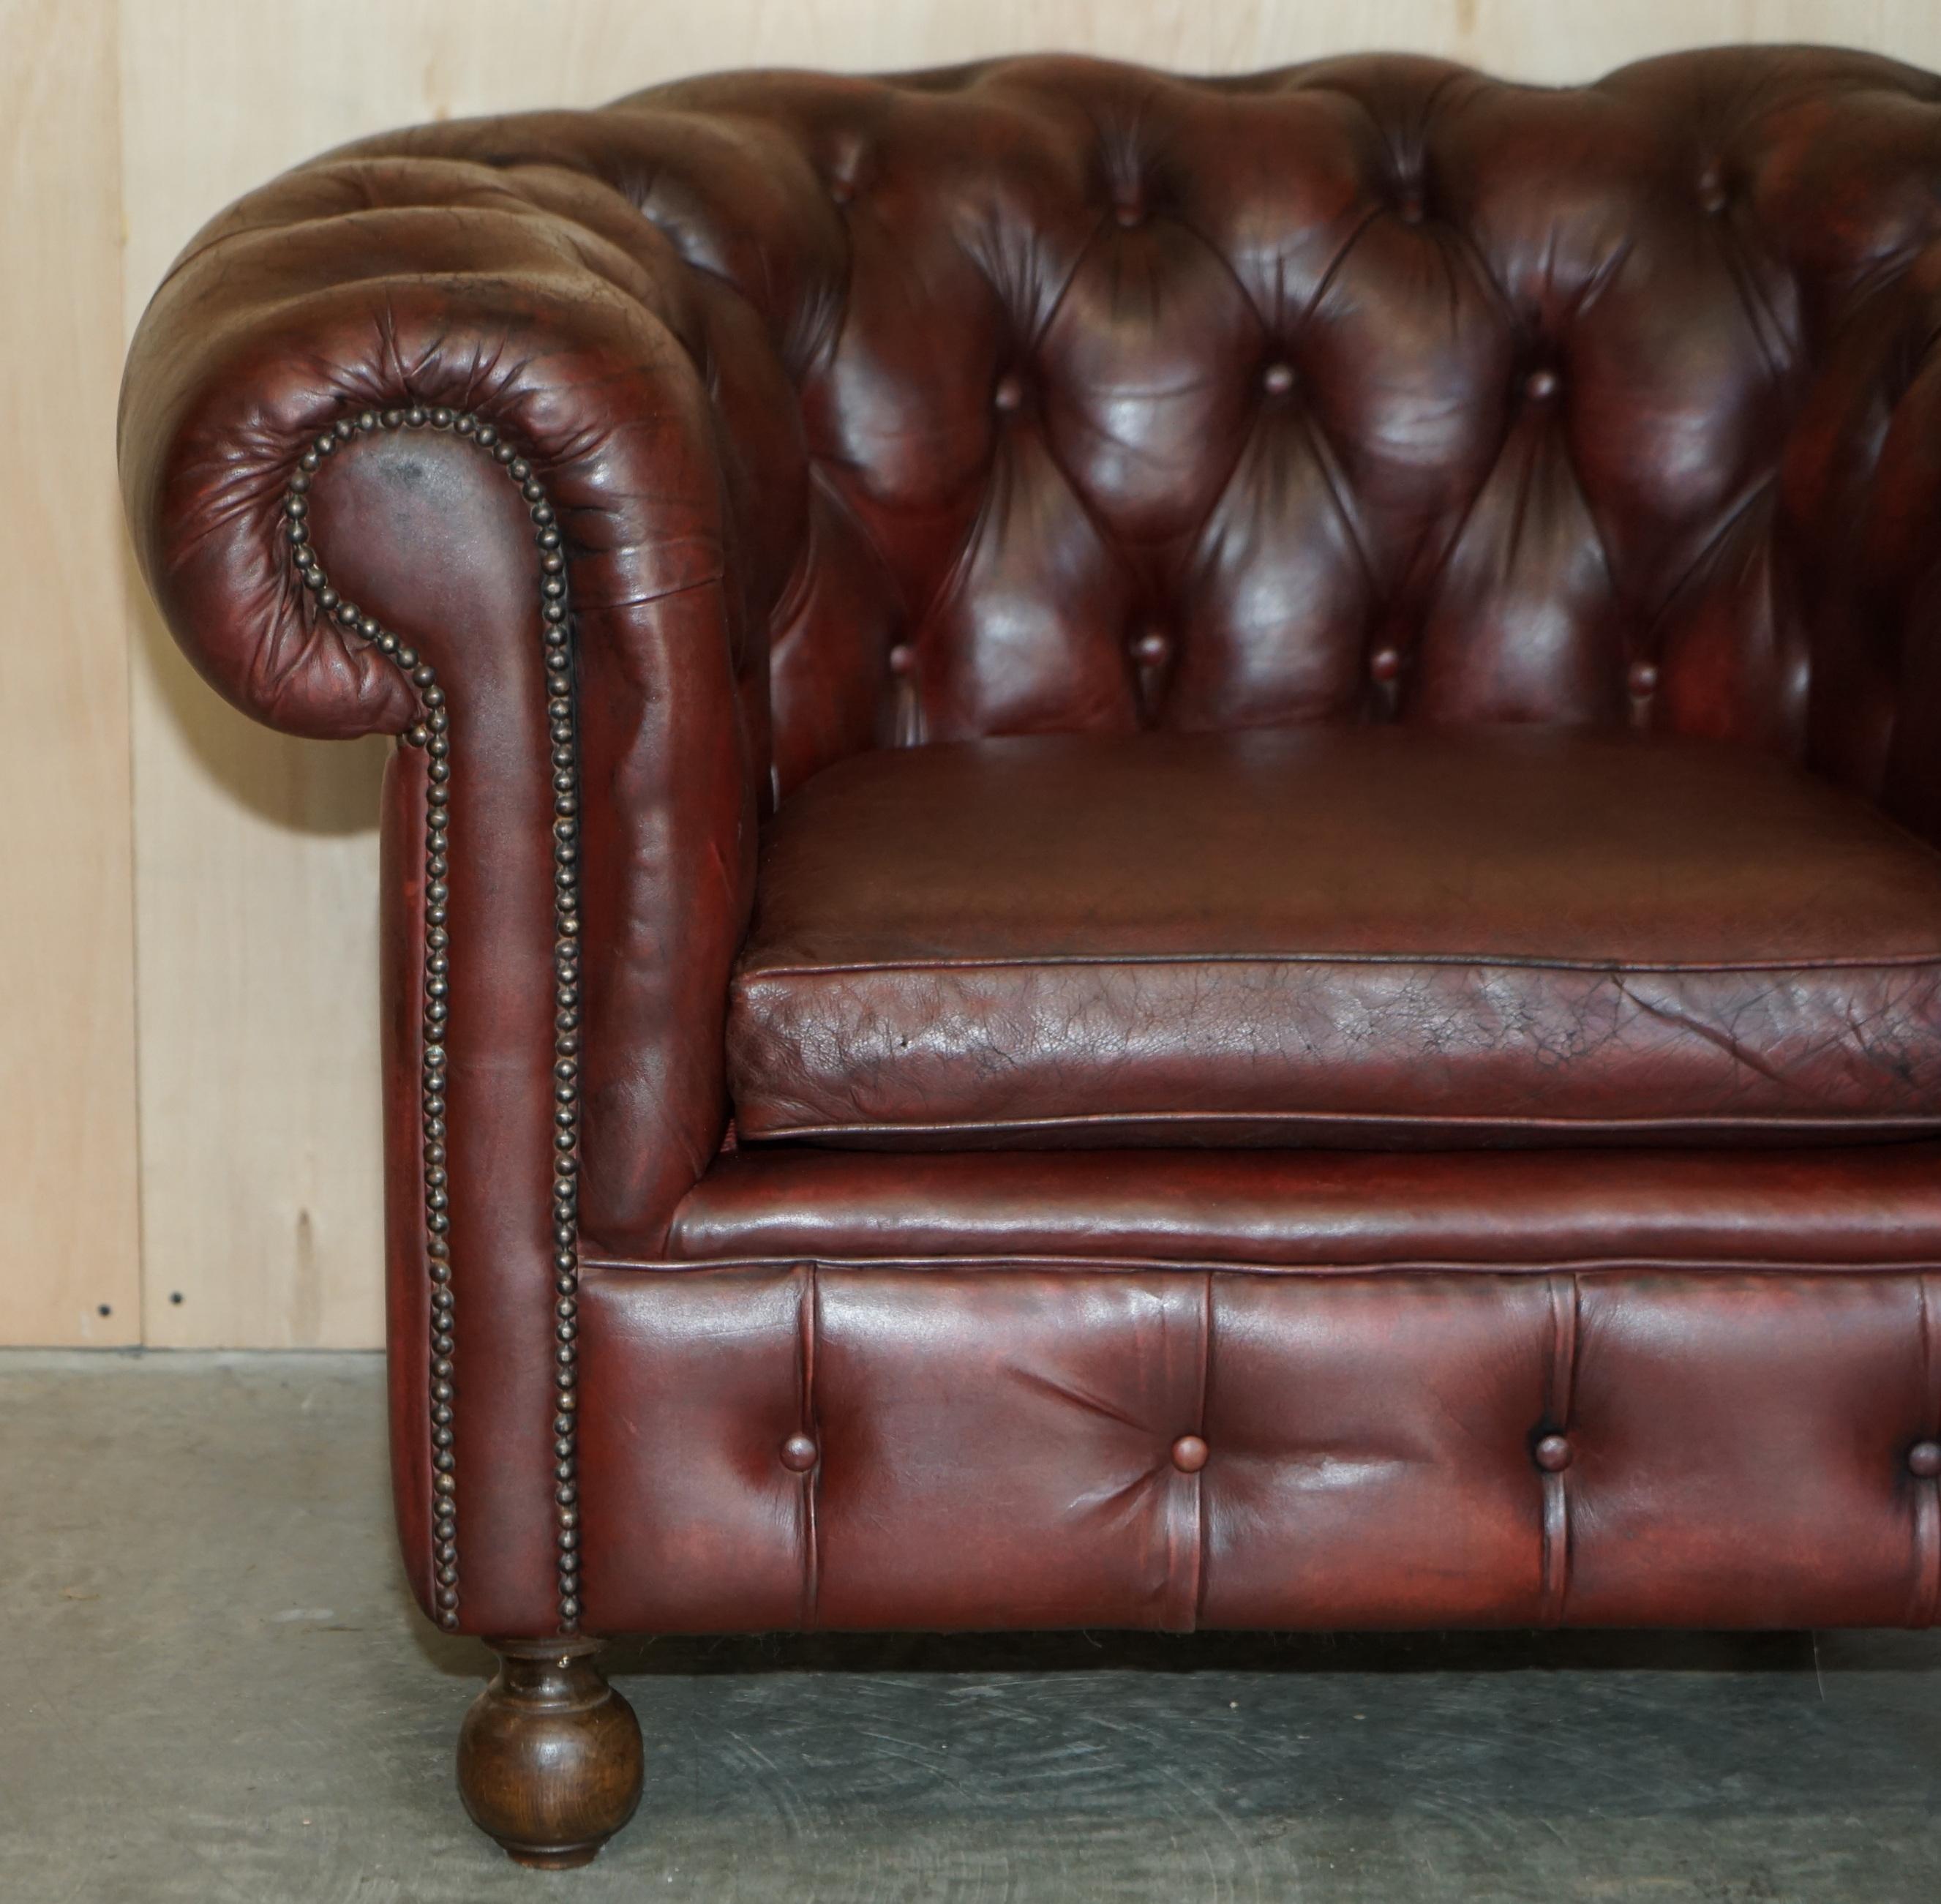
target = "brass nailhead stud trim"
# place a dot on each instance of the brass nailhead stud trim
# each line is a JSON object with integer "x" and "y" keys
{"x": 432, "y": 731}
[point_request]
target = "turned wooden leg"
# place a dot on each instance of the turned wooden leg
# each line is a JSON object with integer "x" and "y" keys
{"x": 549, "y": 1755}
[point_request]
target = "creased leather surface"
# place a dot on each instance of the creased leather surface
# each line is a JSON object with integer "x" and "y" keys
{"x": 1355, "y": 936}
{"x": 997, "y": 1448}
{"x": 1858, "y": 1203}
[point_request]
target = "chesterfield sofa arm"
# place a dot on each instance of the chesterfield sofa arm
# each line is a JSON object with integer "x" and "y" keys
{"x": 408, "y": 450}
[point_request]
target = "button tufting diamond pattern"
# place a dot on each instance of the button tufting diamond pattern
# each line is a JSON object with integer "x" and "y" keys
{"x": 1270, "y": 330}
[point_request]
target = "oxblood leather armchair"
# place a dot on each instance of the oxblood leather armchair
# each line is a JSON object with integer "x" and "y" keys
{"x": 1162, "y": 852}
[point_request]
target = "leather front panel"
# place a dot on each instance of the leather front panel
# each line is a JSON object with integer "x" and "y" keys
{"x": 1372, "y": 1439}
{"x": 933, "y": 1449}
{"x": 704, "y": 1387}
{"x": 1043, "y": 1401}
{"x": 1774, "y": 1470}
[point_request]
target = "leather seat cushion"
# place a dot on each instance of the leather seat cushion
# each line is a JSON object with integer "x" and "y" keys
{"x": 1367, "y": 936}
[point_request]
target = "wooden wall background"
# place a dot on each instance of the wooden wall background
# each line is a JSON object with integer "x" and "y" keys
{"x": 188, "y": 1102}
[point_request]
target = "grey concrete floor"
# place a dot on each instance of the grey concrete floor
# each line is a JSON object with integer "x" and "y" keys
{"x": 216, "y": 1688}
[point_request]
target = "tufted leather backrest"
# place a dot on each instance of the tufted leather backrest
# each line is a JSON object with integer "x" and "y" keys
{"x": 1367, "y": 390}
{"x": 1372, "y": 389}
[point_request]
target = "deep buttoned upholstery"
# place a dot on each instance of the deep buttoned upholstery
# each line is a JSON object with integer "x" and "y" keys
{"x": 1401, "y": 523}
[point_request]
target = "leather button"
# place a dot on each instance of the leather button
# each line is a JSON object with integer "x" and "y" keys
{"x": 842, "y": 190}
{"x": 1152, "y": 648}
{"x": 1129, "y": 213}
{"x": 1277, "y": 379}
{"x": 1554, "y": 1453}
{"x": 1010, "y": 394}
{"x": 902, "y": 660}
{"x": 1385, "y": 664}
{"x": 799, "y": 1453}
{"x": 1642, "y": 680}
{"x": 1924, "y": 1458}
{"x": 1189, "y": 1454}
{"x": 1711, "y": 193}
{"x": 1540, "y": 386}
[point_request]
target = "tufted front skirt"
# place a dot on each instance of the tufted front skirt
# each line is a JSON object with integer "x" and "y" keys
{"x": 1052, "y": 1444}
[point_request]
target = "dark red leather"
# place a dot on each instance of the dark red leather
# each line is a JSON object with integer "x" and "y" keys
{"x": 1055, "y": 395}
{"x": 1860, "y": 1205}
{"x": 997, "y": 1448}
{"x": 1364, "y": 388}
{"x": 654, "y": 413}
{"x": 342, "y": 288}
{"x": 407, "y": 1267}
{"x": 1608, "y": 405}
{"x": 427, "y": 536}
{"x": 1336, "y": 936}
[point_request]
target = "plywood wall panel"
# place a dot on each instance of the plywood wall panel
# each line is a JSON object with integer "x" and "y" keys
{"x": 254, "y": 856}
{"x": 68, "y": 1234}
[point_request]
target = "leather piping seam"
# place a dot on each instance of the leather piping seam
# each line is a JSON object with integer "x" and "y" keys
{"x": 1109, "y": 1120}
{"x": 1026, "y": 1261}
{"x": 431, "y": 732}
{"x": 757, "y": 975}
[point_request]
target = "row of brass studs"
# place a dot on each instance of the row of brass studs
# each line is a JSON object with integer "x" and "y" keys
{"x": 432, "y": 731}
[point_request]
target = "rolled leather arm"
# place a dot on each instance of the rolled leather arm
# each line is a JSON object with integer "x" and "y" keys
{"x": 464, "y": 390}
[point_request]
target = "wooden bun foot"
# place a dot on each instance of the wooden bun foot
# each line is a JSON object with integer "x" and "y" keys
{"x": 549, "y": 1755}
